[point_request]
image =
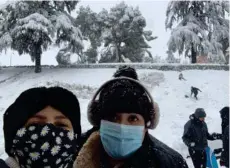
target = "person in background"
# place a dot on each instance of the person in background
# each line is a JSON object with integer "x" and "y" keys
{"x": 124, "y": 111}
{"x": 181, "y": 77}
{"x": 224, "y": 159}
{"x": 41, "y": 129}
{"x": 195, "y": 91}
{"x": 126, "y": 71}
{"x": 196, "y": 137}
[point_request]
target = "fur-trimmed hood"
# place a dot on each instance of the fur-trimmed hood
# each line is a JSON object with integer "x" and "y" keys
{"x": 89, "y": 155}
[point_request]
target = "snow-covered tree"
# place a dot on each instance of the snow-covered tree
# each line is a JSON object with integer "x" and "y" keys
{"x": 170, "y": 57}
{"x": 201, "y": 28}
{"x": 91, "y": 29}
{"x": 63, "y": 57}
{"x": 91, "y": 55}
{"x": 31, "y": 26}
{"x": 89, "y": 25}
{"x": 123, "y": 33}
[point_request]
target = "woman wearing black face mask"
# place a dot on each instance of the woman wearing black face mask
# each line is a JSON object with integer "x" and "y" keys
{"x": 123, "y": 110}
{"x": 41, "y": 129}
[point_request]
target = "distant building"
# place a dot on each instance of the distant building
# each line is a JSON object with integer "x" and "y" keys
{"x": 202, "y": 59}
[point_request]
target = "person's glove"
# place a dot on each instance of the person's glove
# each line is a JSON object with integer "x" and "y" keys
{"x": 217, "y": 136}
{"x": 222, "y": 163}
{"x": 192, "y": 144}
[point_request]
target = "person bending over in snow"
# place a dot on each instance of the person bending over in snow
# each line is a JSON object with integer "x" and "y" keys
{"x": 181, "y": 77}
{"x": 196, "y": 137}
{"x": 194, "y": 91}
{"x": 124, "y": 111}
{"x": 41, "y": 128}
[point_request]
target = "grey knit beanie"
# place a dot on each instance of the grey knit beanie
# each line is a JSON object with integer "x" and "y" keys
{"x": 200, "y": 113}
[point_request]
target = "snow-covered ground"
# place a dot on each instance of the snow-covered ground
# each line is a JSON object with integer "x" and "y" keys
{"x": 165, "y": 87}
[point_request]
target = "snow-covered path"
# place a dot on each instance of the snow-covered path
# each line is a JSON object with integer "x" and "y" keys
{"x": 169, "y": 93}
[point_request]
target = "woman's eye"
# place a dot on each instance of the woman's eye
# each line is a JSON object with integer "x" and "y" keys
{"x": 61, "y": 125}
{"x": 133, "y": 118}
{"x": 112, "y": 118}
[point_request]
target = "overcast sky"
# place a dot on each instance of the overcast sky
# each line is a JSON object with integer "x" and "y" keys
{"x": 153, "y": 11}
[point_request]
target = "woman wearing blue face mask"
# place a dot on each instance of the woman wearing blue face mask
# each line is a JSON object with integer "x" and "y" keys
{"x": 124, "y": 111}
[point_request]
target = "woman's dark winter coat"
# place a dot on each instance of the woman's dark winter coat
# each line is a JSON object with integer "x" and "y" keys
{"x": 153, "y": 153}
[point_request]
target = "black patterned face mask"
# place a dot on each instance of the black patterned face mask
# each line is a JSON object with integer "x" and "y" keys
{"x": 45, "y": 146}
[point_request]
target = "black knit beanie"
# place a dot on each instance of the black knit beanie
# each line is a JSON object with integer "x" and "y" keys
{"x": 124, "y": 96}
{"x": 200, "y": 113}
{"x": 224, "y": 112}
{"x": 126, "y": 71}
{"x": 34, "y": 100}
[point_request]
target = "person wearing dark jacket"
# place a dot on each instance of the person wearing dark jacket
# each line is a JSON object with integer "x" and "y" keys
{"x": 41, "y": 129}
{"x": 196, "y": 137}
{"x": 224, "y": 114}
{"x": 124, "y": 110}
{"x": 224, "y": 159}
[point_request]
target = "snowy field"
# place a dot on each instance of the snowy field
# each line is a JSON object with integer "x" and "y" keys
{"x": 165, "y": 87}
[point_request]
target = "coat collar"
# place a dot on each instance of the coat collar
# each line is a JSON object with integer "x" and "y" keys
{"x": 89, "y": 155}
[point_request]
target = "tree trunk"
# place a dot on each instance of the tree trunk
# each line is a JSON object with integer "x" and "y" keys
{"x": 37, "y": 55}
{"x": 38, "y": 63}
{"x": 118, "y": 53}
{"x": 193, "y": 53}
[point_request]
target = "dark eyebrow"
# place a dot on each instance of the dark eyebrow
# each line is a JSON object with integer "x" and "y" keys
{"x": 61, "y": 117}
{"x": 39, "y": 116}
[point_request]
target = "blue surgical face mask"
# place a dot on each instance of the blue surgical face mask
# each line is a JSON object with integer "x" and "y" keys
{"x": 120, "y": 141}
